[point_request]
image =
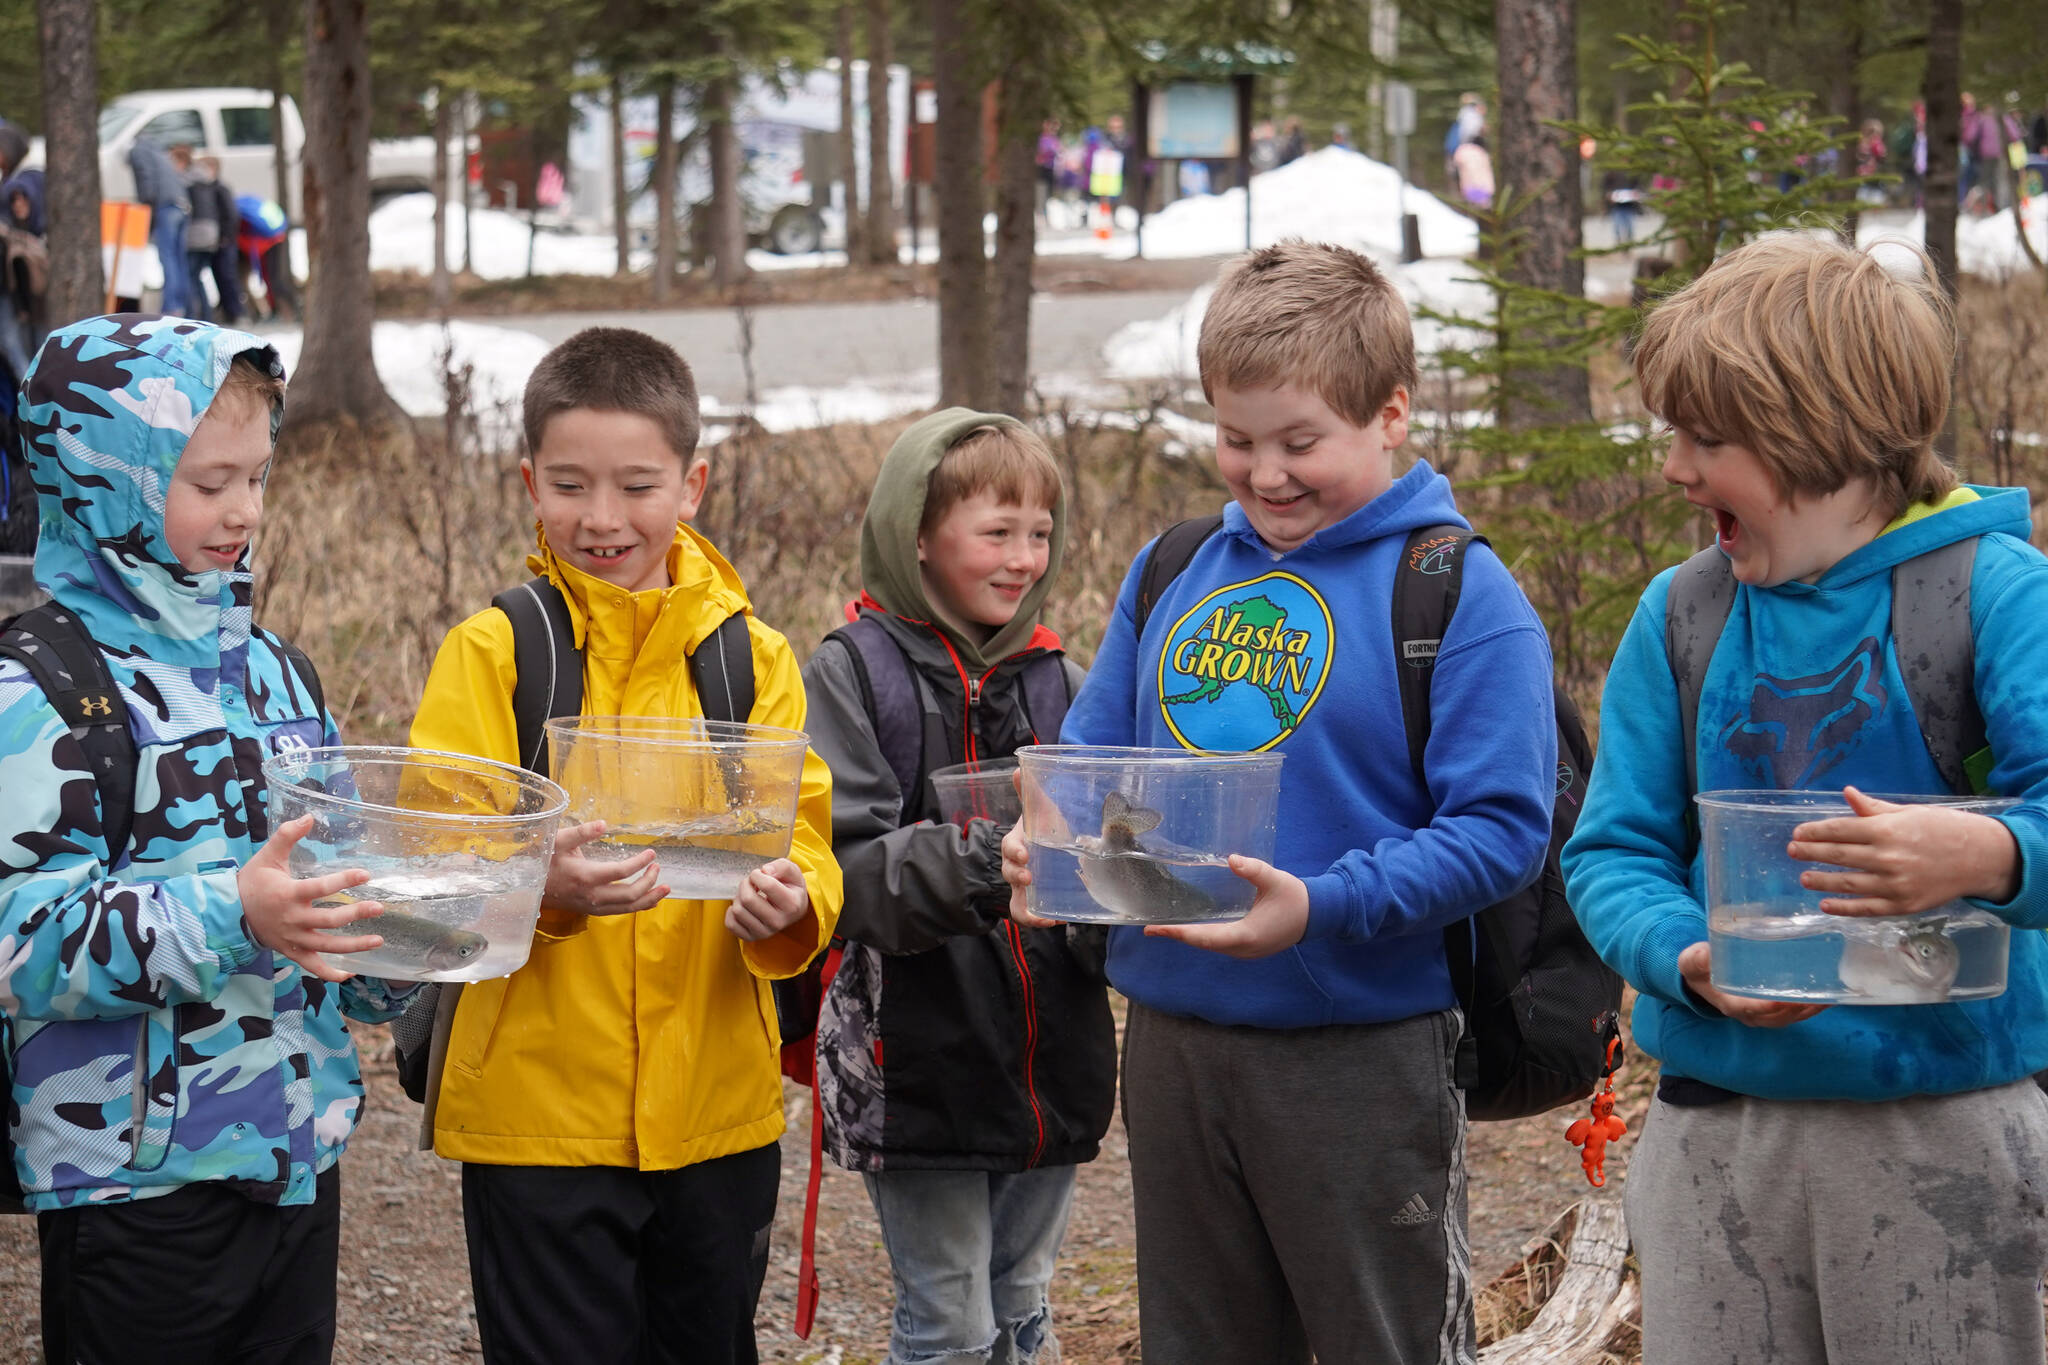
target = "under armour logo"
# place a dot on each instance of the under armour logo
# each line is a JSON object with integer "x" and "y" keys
{"x": 1412, "y": 1213}
{"x": 96, "y": 706}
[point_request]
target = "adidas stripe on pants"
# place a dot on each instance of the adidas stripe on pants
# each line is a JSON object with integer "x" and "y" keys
{"x": 1298, "y": 1192}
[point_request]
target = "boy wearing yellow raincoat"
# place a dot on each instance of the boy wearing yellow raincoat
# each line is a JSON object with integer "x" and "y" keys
{"x": 616, "y": 1102}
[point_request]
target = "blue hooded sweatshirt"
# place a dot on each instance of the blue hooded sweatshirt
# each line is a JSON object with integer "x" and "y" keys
{"x": 154, "y": 1044}
{"x": 1389, "y": 863}
{"x": 1638, "y": 883}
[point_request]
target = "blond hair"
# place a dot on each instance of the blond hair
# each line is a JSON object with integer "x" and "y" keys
{"x": 615, "y": 369}
{"x": 247, "y": 388}
{"x": 1005, "y": 459}
{"x": 1828, "y": 363}
{"x": 1313, "y": 315}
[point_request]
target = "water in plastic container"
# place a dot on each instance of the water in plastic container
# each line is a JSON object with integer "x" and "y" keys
{"x": 700, "y": 859}
{"x": 1902, "y": 960}
{"x": 1768, "y": 937}
{"x": 715, "y": 799}
{"x": 978, "y": 790}
{"x": 1144, "y": 836}
{"x": 457, "y": 849}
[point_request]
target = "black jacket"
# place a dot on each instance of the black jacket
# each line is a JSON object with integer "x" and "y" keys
{"x": 951, "y": 1039}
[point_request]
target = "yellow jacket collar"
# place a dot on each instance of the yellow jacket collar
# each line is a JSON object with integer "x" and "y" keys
{"x": 697, "y": 574}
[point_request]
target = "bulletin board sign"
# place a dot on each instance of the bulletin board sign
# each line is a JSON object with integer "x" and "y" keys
{"x": 1193, "y": 119}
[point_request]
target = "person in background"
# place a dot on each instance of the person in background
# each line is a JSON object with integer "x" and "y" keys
{"x": 25, "y": 261}
{"x": 1047, "y": 158}
{"x": 1473, "y": 165}
{"x": 210, "y": 240}
{"x": 1293, "y": 146}
{"x": 160, "y": 183}
{"x": 264, "y": 241}
{"x": 1624, "y": 203}
{"x": 1870, "y": 160}
{"x": 1265, "y": 147}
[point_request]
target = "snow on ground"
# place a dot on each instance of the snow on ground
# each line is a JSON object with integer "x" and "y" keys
{"x": 1987, "y": 246}
{"x": 402, "y": 238}
{"x": 1333, "y": 195}
{"x": 413, "y": 358}
{"x": 1165, "y": 349}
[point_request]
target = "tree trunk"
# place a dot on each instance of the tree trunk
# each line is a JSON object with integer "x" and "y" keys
{"x": 664, "y": 190}
{"x": 1538, "y": 165}
{"x": 849, "y": 172}
{"x": 443, "y": 287}
{"x": 1942, "y": 89}
{"x": 337, "y": 375}
{"x": 463, "y": 129}
{"x": 621, "y": 229}
{"x": 881, "y": 234}
{"x": 71, "y": 108}
{"x": 277, "y": 21}
{"x": 964, "y": 371}
{"x": 1016, "y": 238}
{"x": 728, "y": 213}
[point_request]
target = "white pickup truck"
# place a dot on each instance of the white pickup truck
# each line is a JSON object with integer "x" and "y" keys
{"x": 233, "y": 123}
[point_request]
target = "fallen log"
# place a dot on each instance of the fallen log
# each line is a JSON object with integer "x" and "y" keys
{"x": 1591, "y": 1302}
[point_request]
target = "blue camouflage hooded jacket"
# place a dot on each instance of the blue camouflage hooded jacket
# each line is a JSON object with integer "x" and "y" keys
{"x": 153, "y": 1043}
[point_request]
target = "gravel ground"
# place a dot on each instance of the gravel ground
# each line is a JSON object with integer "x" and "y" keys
{"x": 404, "y": 1289}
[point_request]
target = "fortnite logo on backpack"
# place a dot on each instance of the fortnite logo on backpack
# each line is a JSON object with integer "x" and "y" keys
{"x": 1242, "y": 668}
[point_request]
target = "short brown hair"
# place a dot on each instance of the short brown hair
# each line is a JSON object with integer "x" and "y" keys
{"x": 1006, "y": 459}
{"x": 248, "y": 387}
{"x": 1311, "y": 314}
{"x": 1826, "y": 362}
{"x": 615, "y": 369}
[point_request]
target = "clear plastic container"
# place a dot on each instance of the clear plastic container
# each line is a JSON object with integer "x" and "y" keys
{"x": 457, "y": 849}
{"x": 978, "y": 791}
{"x": 714, "y": 799}
{"x": 1769, "y": 938}
{"x": 1144, "y": 836}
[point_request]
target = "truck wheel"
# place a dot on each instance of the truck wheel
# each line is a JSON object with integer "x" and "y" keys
{"x": 796, "y": 231}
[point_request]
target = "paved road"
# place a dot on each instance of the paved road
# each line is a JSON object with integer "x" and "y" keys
{"x": 824, "y": 345}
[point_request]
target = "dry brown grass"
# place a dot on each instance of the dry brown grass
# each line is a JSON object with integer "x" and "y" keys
{"x": 373, "y": 548}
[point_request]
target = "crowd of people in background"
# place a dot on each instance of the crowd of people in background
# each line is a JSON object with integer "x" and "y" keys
{"x": 209, "y": 241}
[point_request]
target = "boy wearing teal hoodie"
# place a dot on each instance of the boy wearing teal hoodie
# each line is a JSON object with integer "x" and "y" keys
{"x": 1822, "y": 1182}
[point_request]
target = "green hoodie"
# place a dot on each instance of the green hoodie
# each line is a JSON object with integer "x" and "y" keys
{"x": 888, "y": 538}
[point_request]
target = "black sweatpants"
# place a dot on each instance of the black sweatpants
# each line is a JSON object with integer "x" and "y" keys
{"x": 202, "y": 1276}
{"x": 605, "y": 1265}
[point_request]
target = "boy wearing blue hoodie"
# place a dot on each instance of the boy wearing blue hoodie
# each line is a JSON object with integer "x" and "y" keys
{"x": 1297, "y": 1139}
{"x": 183, "y": 1079}
{"x": 1823, "y": 1183}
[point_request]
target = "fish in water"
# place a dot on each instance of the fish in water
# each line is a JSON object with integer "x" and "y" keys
{"x": 1907, "y": 964}
{"x": 1131, "y": 881}
{"x": 691, "y": 871}
{"x": 432, "y": 947}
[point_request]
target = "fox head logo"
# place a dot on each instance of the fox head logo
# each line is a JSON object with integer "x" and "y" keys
{"x": 1798, "y": 728}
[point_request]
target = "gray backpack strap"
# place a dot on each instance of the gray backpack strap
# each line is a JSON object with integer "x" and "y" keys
{"x": 1936, "y": 647}
{"x": 1702, "y": 594}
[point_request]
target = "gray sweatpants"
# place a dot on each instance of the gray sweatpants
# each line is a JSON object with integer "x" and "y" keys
{"x": 1298, "y": 1190}
{"x": 1783, "y": 1232}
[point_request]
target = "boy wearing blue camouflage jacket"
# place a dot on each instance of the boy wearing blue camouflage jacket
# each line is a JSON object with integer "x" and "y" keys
{"x": 183, "y": 1080}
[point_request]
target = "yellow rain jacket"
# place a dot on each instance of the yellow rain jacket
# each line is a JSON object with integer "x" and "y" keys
{"x": 644, "y": 1040}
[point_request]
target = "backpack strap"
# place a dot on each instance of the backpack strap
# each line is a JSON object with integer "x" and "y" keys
{"x": 1046, "y": 696}
{"x": 548, "y": 667}
{"x": 1168, "y": 557}
{"x": 1427, "y": 582}
{"x": 1936, "y": 647}
{"x": 1696, "y": 608}
{"x": 900, "y": 703}
{"x": 722, "y": 670}
{"x": 53, "y": 645}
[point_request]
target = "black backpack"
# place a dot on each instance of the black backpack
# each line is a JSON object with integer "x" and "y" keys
{"x": 549, "y": 684}
{"x": 910, "y": 729}
{"x": 1540, "y": 1006}
{"x": 53, "y": 645}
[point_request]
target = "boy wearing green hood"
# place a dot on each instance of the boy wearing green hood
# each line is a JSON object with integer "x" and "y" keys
{"x": 966, "y": 1064}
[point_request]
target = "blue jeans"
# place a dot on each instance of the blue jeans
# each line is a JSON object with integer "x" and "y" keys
{"x": 971, "y": 1253}
{"x": 167, "y": 235}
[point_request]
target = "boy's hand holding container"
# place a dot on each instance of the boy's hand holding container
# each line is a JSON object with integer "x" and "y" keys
{"x": 283, "y": 912}
{"x": 594, "y": 886}
{"x": 770, "y": 900}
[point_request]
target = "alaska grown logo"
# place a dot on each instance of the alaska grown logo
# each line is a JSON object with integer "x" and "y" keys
{"x": 1241, "y": 669}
